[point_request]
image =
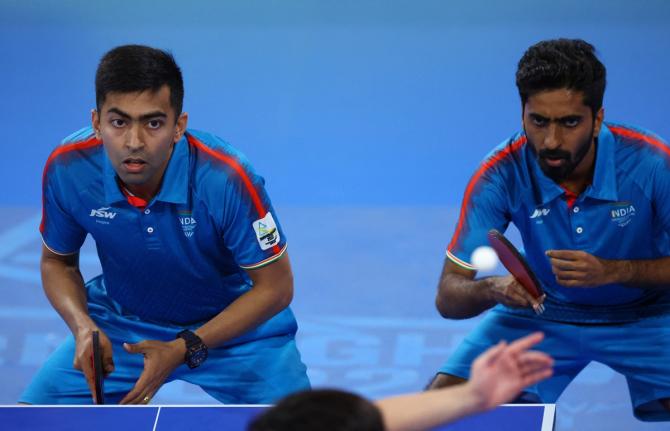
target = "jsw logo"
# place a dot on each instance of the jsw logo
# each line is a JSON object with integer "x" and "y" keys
{"x": 103, "y": 213}
{"x": 540, "y": 213}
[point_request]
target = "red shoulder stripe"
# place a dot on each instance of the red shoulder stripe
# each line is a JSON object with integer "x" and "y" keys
{"x": 628, "y": 133}
{"x": 473, "y": 181}
{"x": 235, "y": 165}
{"x": 80, "y": 145}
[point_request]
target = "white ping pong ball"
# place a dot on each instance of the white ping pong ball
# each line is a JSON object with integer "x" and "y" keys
{"x": 484, "y": 258}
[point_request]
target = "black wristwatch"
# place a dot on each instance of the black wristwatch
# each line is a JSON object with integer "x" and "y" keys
{"x": 196, "y": 351}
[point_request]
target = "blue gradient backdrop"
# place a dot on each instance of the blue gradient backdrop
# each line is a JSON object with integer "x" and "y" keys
{"x": 366, "y": 118}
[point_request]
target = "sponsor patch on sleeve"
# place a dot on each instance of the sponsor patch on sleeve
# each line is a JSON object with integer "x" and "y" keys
{"x": 266, "y": 232}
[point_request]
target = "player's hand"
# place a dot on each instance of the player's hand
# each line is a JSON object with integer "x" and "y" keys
{"x": 575, "y": 268}
{"x": 160, "y": 359}
{"x": 508, "y": 291}
{"x": 83, "y": 355}
{"x": 499, "y": 374}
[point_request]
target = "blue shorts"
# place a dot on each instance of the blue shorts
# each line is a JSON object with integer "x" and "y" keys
{"x": 254, "y": 372}
{"x": 639, "y": 350}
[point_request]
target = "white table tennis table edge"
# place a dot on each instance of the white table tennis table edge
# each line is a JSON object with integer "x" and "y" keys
{"x": 549, "y": 410}
{"x": 158, "y": 413}
{"x": 548, "y": 418}
{"x": 153, "y": 406}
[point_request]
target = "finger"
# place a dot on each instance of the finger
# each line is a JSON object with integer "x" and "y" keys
{"x": 575, "y": 280}
{"x": 539, "y": 375}
{"x": 570, "y": 276}
{"x": 524, "y": 343}
{"x": 138, "y": 392}
{"x": 88, "y": 370}
{"x": 517, "y": 300}
{"x": 108, "y": 364}
{"x": 493, "y": 353}
{"x": 532, "y": 360}
{"x": 565, "y": 265}
{"x": 536, "y": 364}
{"x": 565, "y": 254}
{"x": 518, "y": 294}
{"x": 528, "y": 299}
{"x": 135, "y": 348}
{"x": 107, "y": 357}
{"x": 143, "y": 397}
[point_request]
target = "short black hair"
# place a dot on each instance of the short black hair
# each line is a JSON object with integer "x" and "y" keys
{"x": 562, "y": 63}
{"x": 131, "y": 68}
{"x": 320, "y": 410}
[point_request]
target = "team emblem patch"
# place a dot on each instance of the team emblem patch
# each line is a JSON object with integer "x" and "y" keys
{"x": 188, "y": 223}
{"x": 622, "y": 213}
{"x": 266, "y": 231}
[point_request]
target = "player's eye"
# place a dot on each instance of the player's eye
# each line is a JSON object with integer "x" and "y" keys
{"x": 539, "y": 121}
{"x": 117, "y": 122}
{"x": 571, "y": 122}
{"x": 154, "y": 124}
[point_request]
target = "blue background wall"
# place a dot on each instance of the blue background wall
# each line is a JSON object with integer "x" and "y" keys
{"x": 366, "y": 119}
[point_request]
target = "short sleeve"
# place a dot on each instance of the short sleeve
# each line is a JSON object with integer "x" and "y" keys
{"x": 661, "y": 193}
{"x": 251, "y": 229}
{"x": 484, "y": 207}
{"x": 61, "y": 233}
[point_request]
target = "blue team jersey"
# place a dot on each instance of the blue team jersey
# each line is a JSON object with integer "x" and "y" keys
{"x": 183, "y": 258}
{"x": 623, "y": 214}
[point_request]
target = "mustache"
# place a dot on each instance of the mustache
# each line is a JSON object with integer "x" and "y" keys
{"x": 554, "y": 154}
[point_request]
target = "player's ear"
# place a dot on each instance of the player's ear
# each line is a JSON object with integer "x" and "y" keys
{"x": 95, "y": 122}
{"x": 182, "y": 122}
{"x": 598, "y": 122}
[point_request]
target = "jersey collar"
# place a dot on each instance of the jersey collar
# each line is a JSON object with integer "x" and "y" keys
{"x": 175, "y": 181}
{"x": 604, "y": 186}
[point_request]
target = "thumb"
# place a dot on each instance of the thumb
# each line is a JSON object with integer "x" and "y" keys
{"x": 132, "y": 348}
{"x": 108, "y": 365}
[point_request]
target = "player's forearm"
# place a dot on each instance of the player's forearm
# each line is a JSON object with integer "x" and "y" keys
{"x": 426, "y": 410}
{"x": 251, "y": 309}
{"x": 461, "y": 298}
{"x": 64, "y": 287}
{"x": 640, "y": 273}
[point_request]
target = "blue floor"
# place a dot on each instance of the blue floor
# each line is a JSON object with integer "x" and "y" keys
{"x": 365, "y": 281}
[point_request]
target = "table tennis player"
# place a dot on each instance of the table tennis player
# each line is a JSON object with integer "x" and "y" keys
{"x": 591, "y": 200}
{"x": 195, "y": 282}
{"x": 498, "y": 375}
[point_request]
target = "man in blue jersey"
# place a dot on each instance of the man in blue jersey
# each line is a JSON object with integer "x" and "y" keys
{"x": 196, "y": 280}
{"x": 592, "y": 203}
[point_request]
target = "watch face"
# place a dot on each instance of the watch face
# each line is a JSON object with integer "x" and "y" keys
{"x": 197, "y": 356}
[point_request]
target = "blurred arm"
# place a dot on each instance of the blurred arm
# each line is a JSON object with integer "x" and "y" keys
{"x": 498, "y": 375}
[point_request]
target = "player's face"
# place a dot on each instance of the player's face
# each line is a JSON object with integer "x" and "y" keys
{"x": 561, "y": 131}
{"x": 138, "y": 131}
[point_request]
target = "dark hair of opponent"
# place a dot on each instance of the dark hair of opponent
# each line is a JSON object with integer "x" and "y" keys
{"x": 320, "y": 410}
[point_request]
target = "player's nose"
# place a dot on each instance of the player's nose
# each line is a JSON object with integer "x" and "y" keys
{"x": 552, "y": 139}
{"x": 134, "y": 140}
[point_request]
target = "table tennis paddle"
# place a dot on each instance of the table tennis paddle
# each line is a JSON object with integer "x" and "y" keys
{"x": 98, "y": 371}
{"x": 517, "y": 266}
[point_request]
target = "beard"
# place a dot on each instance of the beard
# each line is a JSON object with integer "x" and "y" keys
{"x": 562, "y": 172}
